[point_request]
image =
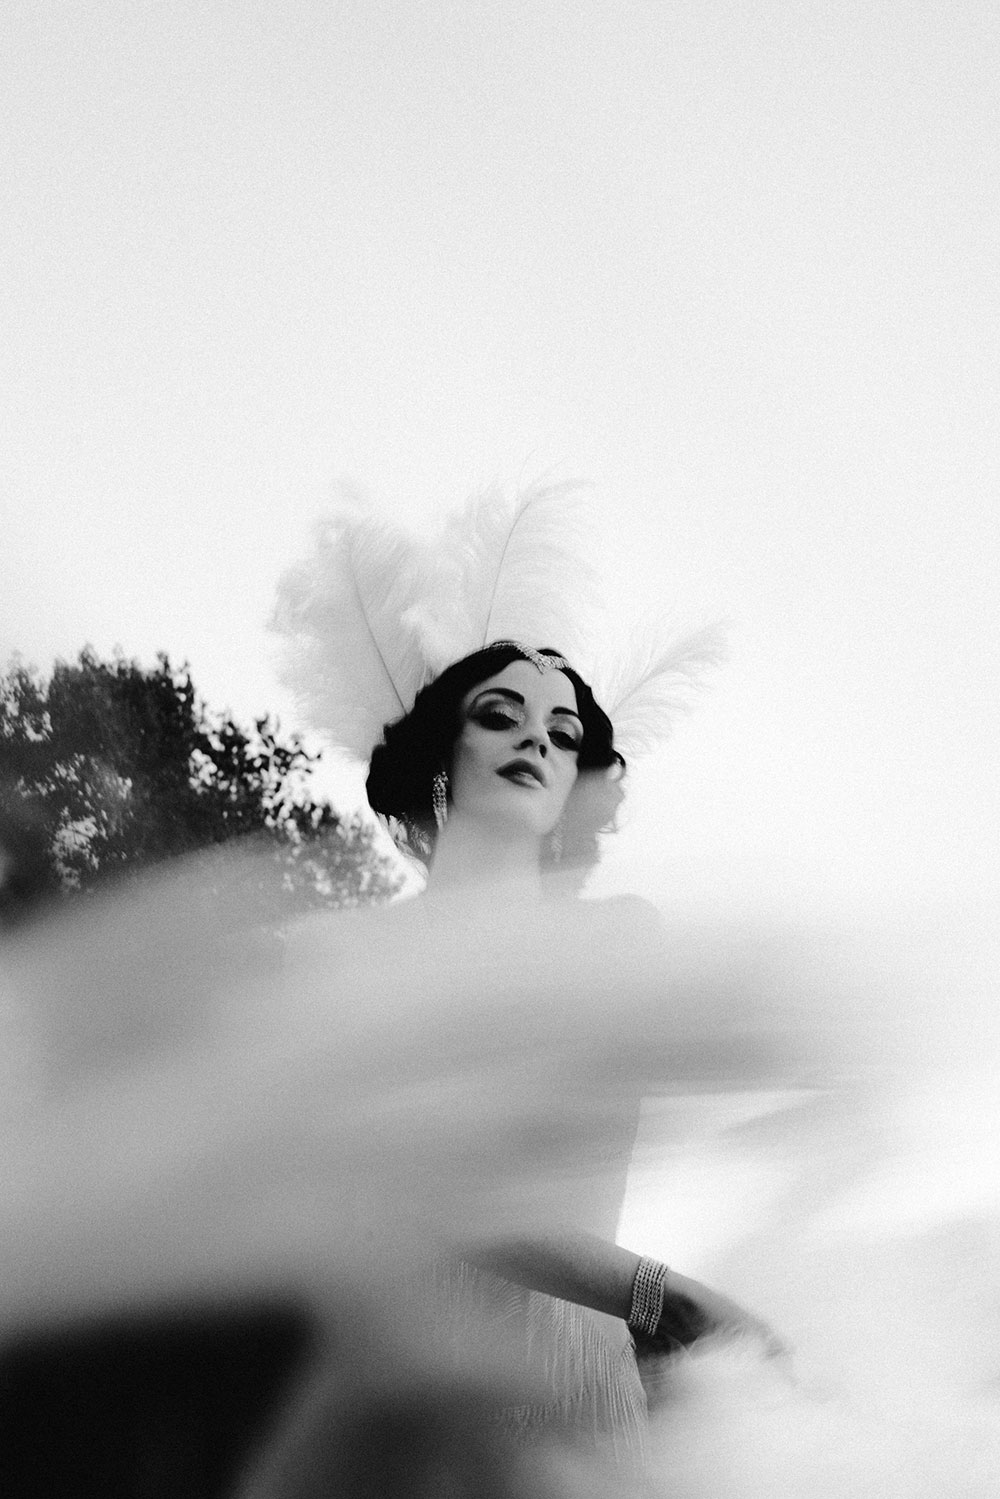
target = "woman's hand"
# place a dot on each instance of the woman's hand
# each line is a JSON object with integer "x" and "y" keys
{"x": 691, "y": 1310}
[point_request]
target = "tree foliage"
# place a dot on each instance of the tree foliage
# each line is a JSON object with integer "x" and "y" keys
{"x": 108, "y": 768}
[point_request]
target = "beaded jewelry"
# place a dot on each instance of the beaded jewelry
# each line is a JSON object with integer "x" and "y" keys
{"x": 537, "y": 658}
{"x": 439, "y": 797}
{"x": 648, "y": 1290}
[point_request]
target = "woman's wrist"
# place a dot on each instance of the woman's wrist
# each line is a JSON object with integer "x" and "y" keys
{"x": 649, "y": 1289}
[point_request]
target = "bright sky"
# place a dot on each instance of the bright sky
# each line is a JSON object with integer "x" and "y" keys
{"x": 737, "y": 265}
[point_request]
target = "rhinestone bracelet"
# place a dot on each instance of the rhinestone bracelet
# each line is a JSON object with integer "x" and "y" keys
{"x": 647, "y": 1296}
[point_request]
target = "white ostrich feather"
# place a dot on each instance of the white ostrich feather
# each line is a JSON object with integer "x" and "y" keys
{"x": 513, "y": 568}
{"x": 651, "y": 680}
{"x": 349, "y": 654}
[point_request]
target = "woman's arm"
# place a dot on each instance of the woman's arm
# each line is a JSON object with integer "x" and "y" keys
{"x": 601, "y": 1275}
{"x": 573, "y": 1266}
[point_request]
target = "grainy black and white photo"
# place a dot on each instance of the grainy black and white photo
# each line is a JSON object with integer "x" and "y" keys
{"x": 499, "y": 643}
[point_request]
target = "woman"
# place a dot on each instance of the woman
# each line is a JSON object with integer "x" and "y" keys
{"x": 506, "y": 767}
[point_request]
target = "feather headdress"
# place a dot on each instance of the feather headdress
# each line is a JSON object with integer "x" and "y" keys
{"x": 375, "y": 613}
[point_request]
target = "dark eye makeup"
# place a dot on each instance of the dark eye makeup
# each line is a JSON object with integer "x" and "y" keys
{"x": 505, "y": 715}
{"x": 495, "y": 718}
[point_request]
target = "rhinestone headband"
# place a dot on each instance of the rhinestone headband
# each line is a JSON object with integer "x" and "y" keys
{"x": 537, "y": 658}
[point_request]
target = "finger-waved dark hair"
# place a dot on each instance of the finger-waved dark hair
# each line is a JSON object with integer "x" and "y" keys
{"x": 416, "y": 747}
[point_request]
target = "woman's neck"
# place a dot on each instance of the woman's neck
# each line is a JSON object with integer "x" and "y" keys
{"x": 475, "y": 858}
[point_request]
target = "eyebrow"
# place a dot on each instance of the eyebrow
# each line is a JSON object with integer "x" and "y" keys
{"x": 515, "y": 697}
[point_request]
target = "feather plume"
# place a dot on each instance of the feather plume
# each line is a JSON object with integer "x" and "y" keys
{"x": 513, "y": 568}
{"x": 374, "y": 613}
{"x": 348, "y": 653}
{"x": 652, "y": 680}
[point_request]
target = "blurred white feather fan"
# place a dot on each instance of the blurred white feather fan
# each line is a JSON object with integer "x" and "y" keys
{"x": 648, "y": 682}
{"x": 351, "y": 656}
{"x": 375, "y": 613}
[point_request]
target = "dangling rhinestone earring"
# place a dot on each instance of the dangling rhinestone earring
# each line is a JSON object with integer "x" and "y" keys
{"x": 556, "y": 843}
{"x": 439, "y": 796}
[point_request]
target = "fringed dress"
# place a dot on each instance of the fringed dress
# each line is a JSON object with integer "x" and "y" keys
{"x": 577, "y": 1366}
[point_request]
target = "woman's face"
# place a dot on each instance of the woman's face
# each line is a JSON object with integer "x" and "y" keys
{"x": 515, "y": 758}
